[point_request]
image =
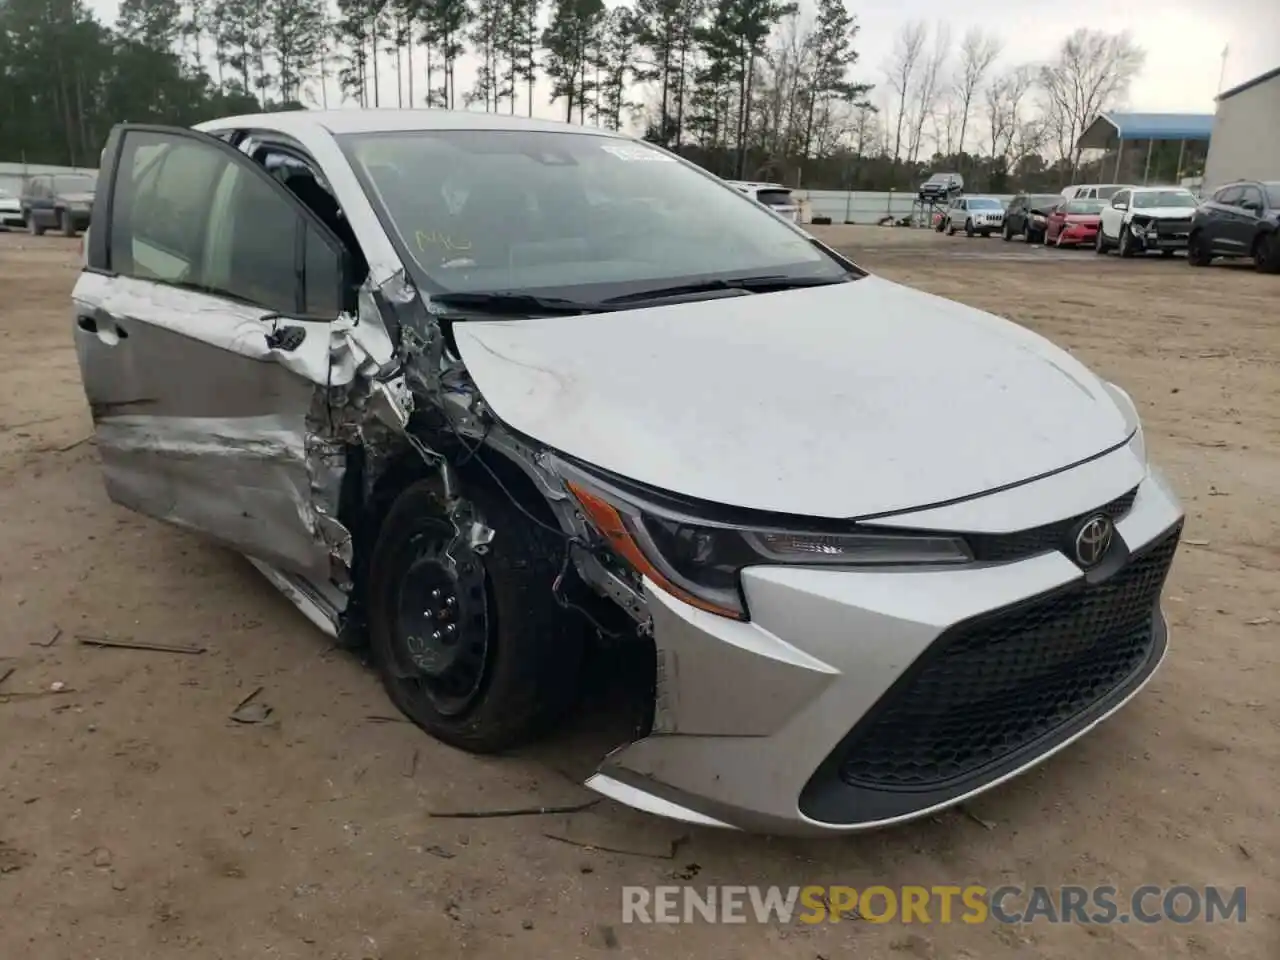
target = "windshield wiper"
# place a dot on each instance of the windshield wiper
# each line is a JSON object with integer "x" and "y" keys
{"x": 521, "y": 304}
{"x": 758, "y": 284}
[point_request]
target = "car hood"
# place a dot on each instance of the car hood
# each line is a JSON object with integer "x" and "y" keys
{"x": 847, "y": 400}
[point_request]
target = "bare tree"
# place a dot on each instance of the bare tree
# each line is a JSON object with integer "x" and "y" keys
{"x": 1005, "y": 99}
{"x": 925, "y": 101}
{"x": 900, "y": 72}
{"x": 978, "y": 53}
{"x": 1093, "y": 71}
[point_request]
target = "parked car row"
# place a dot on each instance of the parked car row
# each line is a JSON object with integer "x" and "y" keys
{"x": 52, "y": 201}
{"x": 1239, "y": 220}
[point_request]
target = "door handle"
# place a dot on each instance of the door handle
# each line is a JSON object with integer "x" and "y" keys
{"x": 103, "y": 327}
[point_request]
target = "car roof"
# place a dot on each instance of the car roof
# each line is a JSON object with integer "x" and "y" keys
{"x": 394, "y": 120}
{"x": 1158, "y": 189}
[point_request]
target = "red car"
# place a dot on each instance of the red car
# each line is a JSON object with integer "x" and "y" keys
{"x": 1073, "y": 223}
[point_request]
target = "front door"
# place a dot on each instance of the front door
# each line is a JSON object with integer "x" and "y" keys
{"x": 1243, "y": 222}
{"x": 202, "y": 326}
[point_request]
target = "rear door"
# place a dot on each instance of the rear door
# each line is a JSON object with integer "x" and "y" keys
{"x": 202, "y": 326}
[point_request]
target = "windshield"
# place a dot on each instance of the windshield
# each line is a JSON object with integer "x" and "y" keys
{"x": 1043, "y": 200}
{"x": 983, "y": 203}
{"x": 1273, "y": 195}
{"x": 73, "y": 183}
{"x": 1163, "y": 198}
{"x": 1084, "y": 206}
{"x": 486, "y": 210}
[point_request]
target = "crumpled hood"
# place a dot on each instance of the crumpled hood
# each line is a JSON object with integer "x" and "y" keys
{"x": 846, "y": 400}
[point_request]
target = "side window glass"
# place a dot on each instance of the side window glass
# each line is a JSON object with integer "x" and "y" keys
{"x": 161, "y": 199}
{"x": 1251, "y": 197}
{"x": 253, "y": 243}
{"x": 1229, "y": 196}
{"x": 321, "y": 276}
{"x": 186, "y": 213}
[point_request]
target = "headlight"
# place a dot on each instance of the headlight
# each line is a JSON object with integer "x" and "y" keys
{"x": 1037, "y": 218}
{"x": 1137, "y": 229}
{"x": 701, "y": 562}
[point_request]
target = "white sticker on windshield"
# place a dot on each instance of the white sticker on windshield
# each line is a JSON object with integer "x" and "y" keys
{"x": 635, "y": 154}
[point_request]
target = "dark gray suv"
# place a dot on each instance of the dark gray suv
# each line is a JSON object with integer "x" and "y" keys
{"x": 60, "y": 201}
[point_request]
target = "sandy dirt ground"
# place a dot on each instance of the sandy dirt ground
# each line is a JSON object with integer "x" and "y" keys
{"x": 137, "y": 820}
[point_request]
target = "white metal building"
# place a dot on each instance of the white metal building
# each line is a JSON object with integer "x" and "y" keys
{"x": 1246, "y": 133}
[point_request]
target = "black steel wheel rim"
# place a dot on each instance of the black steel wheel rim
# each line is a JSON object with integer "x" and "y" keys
{"x": 440, "y": 627}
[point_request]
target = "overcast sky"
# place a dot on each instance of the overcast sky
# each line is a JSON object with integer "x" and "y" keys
{"x": 1184, "y": 40}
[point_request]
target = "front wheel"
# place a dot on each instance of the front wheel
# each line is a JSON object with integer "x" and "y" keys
{"x": 1198, "y": 250}
{"x": 34, "y": 228}
{"x": 471, "y": 647}
{"x": 968, "y": 228}
{"x": 1099, "y": 243}
{"x": 1027, "y": 235}
{"x": 1006, "y": 234}
{"x": 65, "y": 224}
{"x": 1266, "y": 254}
{"x": 1126, "y": 242}
{"x": 951, "y": 229}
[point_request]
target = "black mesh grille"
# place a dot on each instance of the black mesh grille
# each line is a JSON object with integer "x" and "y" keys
{"x": 1051, "y": 536}
{"x": 998, "y": 683}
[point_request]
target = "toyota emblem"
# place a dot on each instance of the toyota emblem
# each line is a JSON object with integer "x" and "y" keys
{"x": 1094, "y": 540}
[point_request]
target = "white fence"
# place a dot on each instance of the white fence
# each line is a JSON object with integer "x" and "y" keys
{"x": 864, "y": 206}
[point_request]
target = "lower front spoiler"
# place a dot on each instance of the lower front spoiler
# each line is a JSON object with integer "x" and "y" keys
{"x": 661, "y": 800}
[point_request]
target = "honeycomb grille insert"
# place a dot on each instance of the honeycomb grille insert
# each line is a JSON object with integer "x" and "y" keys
{"x": 996, "y": 684}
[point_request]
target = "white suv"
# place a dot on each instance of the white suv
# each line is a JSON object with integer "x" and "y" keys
{"x": 984, "y": 215}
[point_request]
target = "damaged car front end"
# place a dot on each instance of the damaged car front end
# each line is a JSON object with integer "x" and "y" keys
{"x": 886, "y": 551}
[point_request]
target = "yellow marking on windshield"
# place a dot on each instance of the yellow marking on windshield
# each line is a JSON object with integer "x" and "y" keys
{"x": 434, "y": 238}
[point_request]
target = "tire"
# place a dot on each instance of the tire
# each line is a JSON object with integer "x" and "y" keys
{"x": 1126, "y": 243}
{"x": 942, "y": 224}
{"x": 1028, "y": 235}
{"x": 1198, "y": 251}
{"x": 517, "y": 656}
{"x": 66, "y": 226}
{"x": 951, "y": 229}
{"x": 1266, "y": 253}
{"x": 968, "y": 228}
{"x": 1100, "y": 243}
{"x": 1005, "y": 234}
{"x": 34, "y": 228}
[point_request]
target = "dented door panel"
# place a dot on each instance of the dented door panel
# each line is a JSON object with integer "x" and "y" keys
{"x": 200, "y": 422}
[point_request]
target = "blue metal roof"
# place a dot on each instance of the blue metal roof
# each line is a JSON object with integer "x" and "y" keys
{"x": 1161, "y": 126}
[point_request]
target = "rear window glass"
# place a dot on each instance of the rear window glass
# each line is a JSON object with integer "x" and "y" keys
{"x": 982, "y": 203}
{"x": 1273, "y": 195}
{"x": 774, "y": 198}
{"x": 1106, "y": 193}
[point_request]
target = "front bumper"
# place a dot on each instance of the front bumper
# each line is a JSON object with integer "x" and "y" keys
{"x": 11, "y": 216}
{"x": 857, "y": 699}
{"x": 1163, "y": 237}
{"x": 1079, "y": 234}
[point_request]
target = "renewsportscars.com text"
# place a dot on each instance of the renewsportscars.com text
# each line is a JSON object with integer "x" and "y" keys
{"x": 971, "y": 904}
